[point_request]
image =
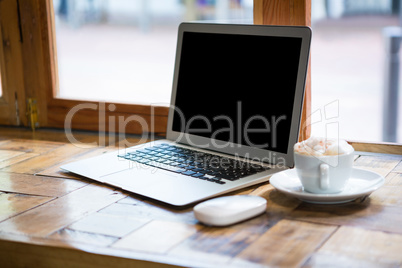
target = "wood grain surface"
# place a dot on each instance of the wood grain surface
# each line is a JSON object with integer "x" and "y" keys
{"x": 50, "y": 218}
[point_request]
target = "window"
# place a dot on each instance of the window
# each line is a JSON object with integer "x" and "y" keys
{"x": 122, "y": 54}
{"x": 124, "y": 51}
{"x": 348, "y": 62}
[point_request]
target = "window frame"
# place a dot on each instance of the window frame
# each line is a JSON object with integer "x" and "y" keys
{"x": 12, "y": 100}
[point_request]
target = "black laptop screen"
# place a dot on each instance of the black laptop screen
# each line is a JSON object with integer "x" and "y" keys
{"x": 237, "y": 88}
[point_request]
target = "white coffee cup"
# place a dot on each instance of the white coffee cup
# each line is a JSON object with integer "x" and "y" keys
{"x": 324, "y": 174}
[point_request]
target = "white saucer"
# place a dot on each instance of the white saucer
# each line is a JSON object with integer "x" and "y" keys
{"x": 361, "y": 183}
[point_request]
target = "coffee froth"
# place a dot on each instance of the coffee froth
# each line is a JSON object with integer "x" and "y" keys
{"x": 316, "y": 146}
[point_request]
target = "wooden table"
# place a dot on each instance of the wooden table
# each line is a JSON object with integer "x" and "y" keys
{"x": 50, "y": 218}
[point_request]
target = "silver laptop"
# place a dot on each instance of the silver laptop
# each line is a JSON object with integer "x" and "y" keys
{"x": 233, "y": 120}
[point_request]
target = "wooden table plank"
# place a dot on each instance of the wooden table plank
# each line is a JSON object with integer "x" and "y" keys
{"x": 276, "y": 201}
{"x": 390, "y": 194}
{"x": 62, "y": 219}
{"x": 288, "y": 244}
{"x": 69, "y": 235}
{"x": 17, "y": 159}
{"x": 393, "y": 179}
{"x": 221, "y": 244}
{"x": 381, "y": 164}
{"x": 109, "y": 225}
{"x": 45, "y": 160}
{"x": 357, "y": 247}
{"x": 365, "y": 215}
{"x": 59, "y": 136}
{"x": 37, "y": 185}
{"x": 14, "y": 204}
{"x": 186, "y": 252}
{"x": 157, "y": 236}
{"x": 54, "y": 215}
{"x": 398, "y": 168}
{"x": 151, "y": 211}
{"x": 7, "y": 154}
{"x": 30, "y": 146}
{"x": 15, "y": 254}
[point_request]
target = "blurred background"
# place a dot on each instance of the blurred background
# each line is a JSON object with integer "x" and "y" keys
{"x": 123, "y": 51}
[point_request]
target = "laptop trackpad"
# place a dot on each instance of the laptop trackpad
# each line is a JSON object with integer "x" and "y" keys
{"x": 162, "y": 185}
{"x": 141, "y": 177}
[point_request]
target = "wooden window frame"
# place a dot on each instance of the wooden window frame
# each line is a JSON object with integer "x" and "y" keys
{"x": 12, "y": 79}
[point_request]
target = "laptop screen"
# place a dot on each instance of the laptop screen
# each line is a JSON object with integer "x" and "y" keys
{"x": 237, "y": 88}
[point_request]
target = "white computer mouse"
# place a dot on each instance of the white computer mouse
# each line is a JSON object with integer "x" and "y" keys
{"x": 229, "y": 210}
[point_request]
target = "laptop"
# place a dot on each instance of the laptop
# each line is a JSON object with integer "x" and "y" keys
{"x": 234, "y": 116}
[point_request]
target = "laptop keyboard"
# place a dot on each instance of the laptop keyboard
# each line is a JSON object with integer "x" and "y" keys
{"x": 203, "y": 166}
